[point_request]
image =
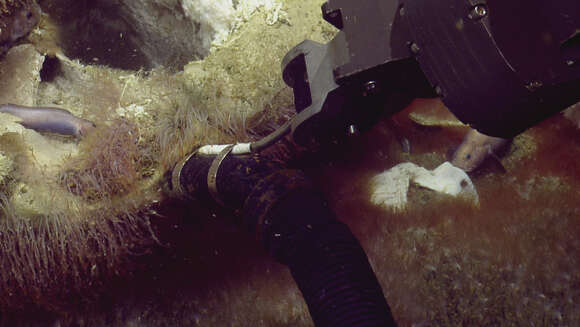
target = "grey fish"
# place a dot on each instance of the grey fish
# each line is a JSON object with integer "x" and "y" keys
{"x": 46, "y": 119}
{"x": 475, "y": 148}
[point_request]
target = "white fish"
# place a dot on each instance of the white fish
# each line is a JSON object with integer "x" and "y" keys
{"x": 475, "y": 148}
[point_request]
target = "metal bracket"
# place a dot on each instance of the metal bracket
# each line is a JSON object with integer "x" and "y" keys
{"x": 213, "y": 172}
{"x": 176, "y": 187}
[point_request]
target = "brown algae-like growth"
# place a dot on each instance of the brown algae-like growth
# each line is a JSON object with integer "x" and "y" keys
{"x": 77, "y": 213}
{"x": 85, "y": 240}
{"x": 110, "y": 162}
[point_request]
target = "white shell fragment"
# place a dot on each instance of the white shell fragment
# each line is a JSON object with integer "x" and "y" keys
{"x": 389, "y": 189}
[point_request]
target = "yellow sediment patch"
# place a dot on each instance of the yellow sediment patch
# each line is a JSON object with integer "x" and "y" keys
{"x": 432, "y": 112}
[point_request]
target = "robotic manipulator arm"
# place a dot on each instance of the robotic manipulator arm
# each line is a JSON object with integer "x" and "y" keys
{"x": 499, "y": 66}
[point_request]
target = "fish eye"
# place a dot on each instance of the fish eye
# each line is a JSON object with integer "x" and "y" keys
{"x": 468, "y": 156}
{"x": 29, "y": 15}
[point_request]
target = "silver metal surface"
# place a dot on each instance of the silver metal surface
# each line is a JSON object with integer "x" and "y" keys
{"x": 213, "y": 171}
{"x": 353, "y": 130}
{"x": 478, "y": 12}
{"x": 414, "y": 48}
{"x": 176, "y": 176}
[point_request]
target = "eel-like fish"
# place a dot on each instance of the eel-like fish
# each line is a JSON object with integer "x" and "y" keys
{"x": 475, "y": 148}
{"x": 46, "y": 119}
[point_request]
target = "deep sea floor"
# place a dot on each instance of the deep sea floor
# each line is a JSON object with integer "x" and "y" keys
{"x": 515, "y": 260}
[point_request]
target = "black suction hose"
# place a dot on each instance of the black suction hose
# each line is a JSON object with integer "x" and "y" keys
{"x": 292, "y": 221}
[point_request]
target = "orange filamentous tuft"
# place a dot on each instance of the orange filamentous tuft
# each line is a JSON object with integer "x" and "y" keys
{"x": 110, "y": 163}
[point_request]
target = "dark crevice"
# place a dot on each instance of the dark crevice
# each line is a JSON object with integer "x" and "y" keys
{"x": 50, "y": 69}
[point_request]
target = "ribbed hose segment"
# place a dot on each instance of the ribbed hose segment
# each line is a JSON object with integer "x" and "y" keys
{"x": 293, "y": 223}
{"x": 327, "y": 262}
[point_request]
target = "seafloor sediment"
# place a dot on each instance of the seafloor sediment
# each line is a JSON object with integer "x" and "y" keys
{"x": 108, "y": 255}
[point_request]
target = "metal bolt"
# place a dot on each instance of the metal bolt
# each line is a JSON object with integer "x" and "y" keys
{"x": 414, "y": 48}
{"x": 352, "y": 130}
{"x": 478, "y": 12}
{"x": 402, "y": 11}
{"x": 438, "y": 90}
{"x": 370, "y": 88}
{"x": 570, "y": 62}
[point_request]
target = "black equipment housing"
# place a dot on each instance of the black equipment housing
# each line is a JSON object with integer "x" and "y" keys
{"x": 500, "y": 66}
